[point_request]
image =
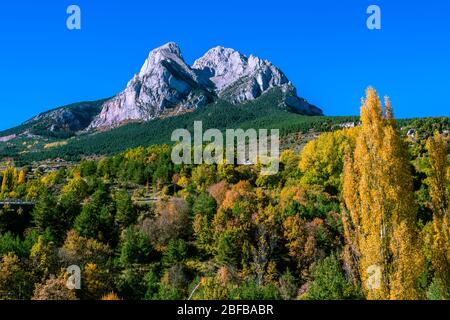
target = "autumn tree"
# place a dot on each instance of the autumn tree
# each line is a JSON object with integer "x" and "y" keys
{"x": 22, "y": 177}
{"x": 95, "y": 282}
{"x": 438, "y": 181}
{"x": 380, "y": 213}
{"x": 289, "y": 160}
{"x": 210, "y": 288}
{"x": 173, "y": 284}
{"x": 15, "y": 280}
{"x": 5, "y": 182}
{"x": 232, "y": 224}
{"x": 288, "y": 286}
{"x": 43, "y": 259}
{"x": 110, "y": 297}
{"x": 218, "y": 191}
{"x": 203, "y": 176}
{"x": 80, "y": 251}
{"x": 322, "y": 159}
{"x": 172, "y": 222}
{"x": 9, "y": 180}
{"x": 54, "y": 289}
{"x": 301, "y": 242}
{"x": 77, "y": 185}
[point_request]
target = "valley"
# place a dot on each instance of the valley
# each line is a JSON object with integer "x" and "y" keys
{"x": 94, "y": 185}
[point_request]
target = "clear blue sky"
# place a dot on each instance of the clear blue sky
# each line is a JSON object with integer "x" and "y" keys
{"x": 323, "y": 46}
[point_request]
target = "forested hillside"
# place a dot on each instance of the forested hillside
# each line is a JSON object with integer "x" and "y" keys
{"x": 263, "y": 112}
{"x": 354, "y": 201}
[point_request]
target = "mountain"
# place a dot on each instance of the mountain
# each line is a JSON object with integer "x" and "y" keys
{"x": 236, "y": 78}
{"x": 60, "y": 122}
{"x": 167, "y": 85}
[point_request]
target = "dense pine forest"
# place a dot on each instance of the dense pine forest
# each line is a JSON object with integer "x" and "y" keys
{"x": 354, "y": 202}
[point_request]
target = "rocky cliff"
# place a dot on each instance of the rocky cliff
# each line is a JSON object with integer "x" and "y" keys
{"x": 167, "y": 85}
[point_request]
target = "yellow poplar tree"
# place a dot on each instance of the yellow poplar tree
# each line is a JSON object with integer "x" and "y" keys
{"x": 22, "y": 178}
{"x": 5, "y": 182}
{"x": 380, "y": 211}
{"x": 438, "y": 181}
{"x": 9, "y": 180}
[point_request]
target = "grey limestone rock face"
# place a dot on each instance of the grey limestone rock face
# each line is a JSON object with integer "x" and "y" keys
{"x": 166, "y": 84}
{"x": 235, "y": 77}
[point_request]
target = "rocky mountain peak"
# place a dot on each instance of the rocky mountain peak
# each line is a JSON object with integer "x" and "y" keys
{"x": 171, "y": 47}
{"x": 236, "y": 77}
{"x": 166, "y": 84}
{"x": 221, "y": 65}
{"x": 168, "y": 52}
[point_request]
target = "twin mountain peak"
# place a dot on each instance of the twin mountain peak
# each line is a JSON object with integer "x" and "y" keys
{"x": 167, "y": 86}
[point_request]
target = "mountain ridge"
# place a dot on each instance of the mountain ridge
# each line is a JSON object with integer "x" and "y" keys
{"x": 167, "y": 86}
